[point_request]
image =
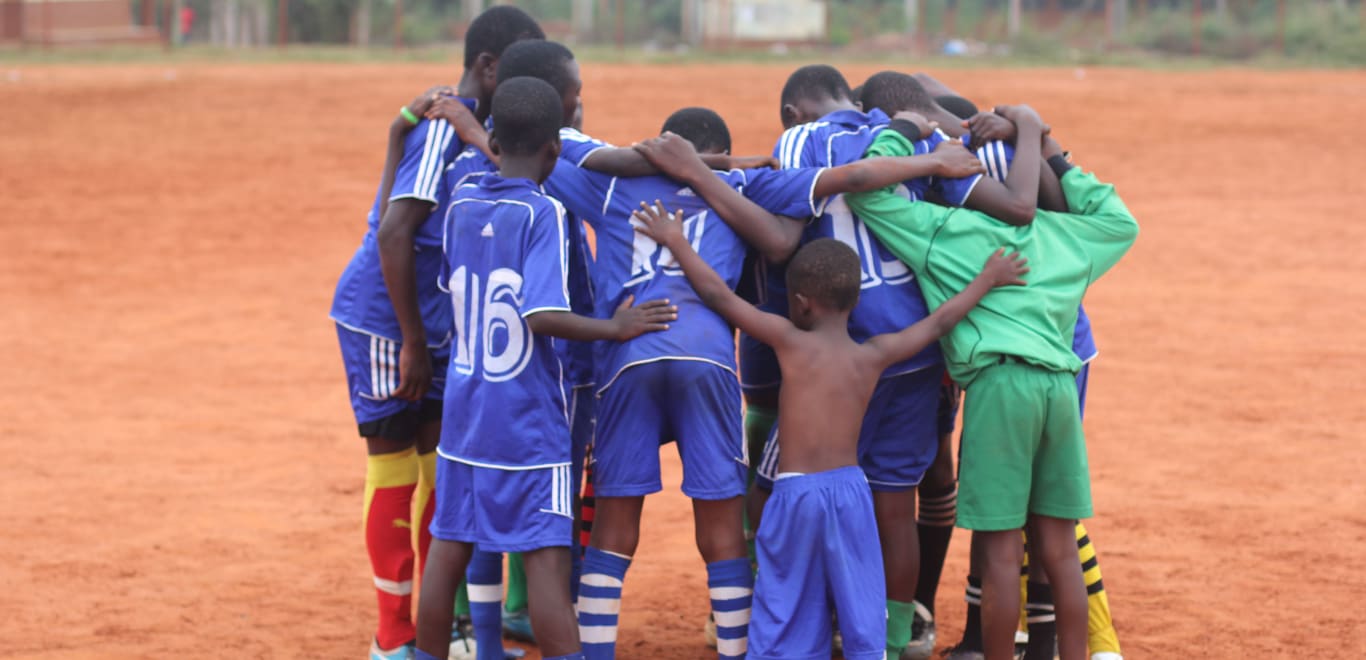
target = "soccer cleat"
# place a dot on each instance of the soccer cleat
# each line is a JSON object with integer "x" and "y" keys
{"x": 404, "y": 652}
{"x": 959, "y": 653}
{"x": 922, "y": 635}
{"x": 517, "y": 626}
{"x": 709, "y": 631}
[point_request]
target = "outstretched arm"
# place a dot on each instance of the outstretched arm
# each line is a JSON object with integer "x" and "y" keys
{"x": 775, "y": 237}
{"x": 628, "y": 162}
{"x": 1000, "y": 270}
{"x": 467, "y": 126}
{"x": 398, "y": 132}
{"x": 667, "y": 230}
{"x": 628, "y": 322}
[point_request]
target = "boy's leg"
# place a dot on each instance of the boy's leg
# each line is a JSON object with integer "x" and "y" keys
{"x": 1000, "y": 591}
{"x": 552, "y": 611}
{"x": 625, "y": 469}
{"x": 390, "y": 478}
{"x": 446, "y": 562}
{"x": 938, "y": 493}
{"x": 484, "y": 580}
{"x": 703, "y": 406}
{"x": 897, "y": 444}
{"x": 424, "y": 505}
{"x": 1053, "y": 545}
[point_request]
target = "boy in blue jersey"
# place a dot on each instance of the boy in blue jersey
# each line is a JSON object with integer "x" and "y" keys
{"x": 503, "y": 478}
{"x": 816, "y": 545}
{"x": 893, "y": 92}
{"x": 393, "y": 324}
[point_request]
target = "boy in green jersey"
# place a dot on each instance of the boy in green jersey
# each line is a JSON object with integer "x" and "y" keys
{"x": 1023, "y": 454}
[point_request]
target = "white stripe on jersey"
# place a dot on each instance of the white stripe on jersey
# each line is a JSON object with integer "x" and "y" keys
{"x": 1004, "y": 164}
{"x": 424, "y": 163}
{"x": 984, "y": 156}
{"x": 392, "y": 366}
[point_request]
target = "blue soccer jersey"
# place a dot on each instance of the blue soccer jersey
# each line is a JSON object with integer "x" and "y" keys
{"x": 889, "y": 299}
{"x": 361, "y": 301}
{"x": 631, "y": 264}
{"x": 506, "y": 258}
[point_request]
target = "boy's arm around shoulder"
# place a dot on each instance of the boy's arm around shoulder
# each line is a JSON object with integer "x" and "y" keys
{"x": 1001, "y": 269}
{"x": 1099, "y": 218}
{"x": 667, "y": 230}
{"x": 545, "y": 291}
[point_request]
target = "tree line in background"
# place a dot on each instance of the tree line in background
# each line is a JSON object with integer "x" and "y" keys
{"x": 1326, "y": 30}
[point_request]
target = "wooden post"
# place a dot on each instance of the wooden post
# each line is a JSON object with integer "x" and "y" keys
{"x": 1280, "y": 24}
{"x": 1142, "y": 9}
{"x": 950, "y": 27}
{"x": 1013, "y": 19}
{"x": 149, "y": 13}
{"x": 47, "y": 23}
{"x": 282, "y": 23}
{"x": 621, "y": 24}
{"x": 1197, "y": 16}
{"x": 398, "y": 23}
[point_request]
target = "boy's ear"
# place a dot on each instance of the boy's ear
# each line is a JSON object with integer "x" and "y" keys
{"x": 803, "y": 303}
{"x": 486, "y": 70}
{"x": 555, "y": 147}
{"x": 789, "y": 115}
{"x": 496, "y": 148}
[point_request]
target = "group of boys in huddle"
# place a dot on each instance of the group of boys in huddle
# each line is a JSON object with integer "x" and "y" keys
{"x": 529, "y": 301}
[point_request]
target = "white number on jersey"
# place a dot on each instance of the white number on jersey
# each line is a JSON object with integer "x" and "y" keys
{"x": 494, "y": 317}
{"x": 646, "y": 254}
{"x": 851, "y": 231}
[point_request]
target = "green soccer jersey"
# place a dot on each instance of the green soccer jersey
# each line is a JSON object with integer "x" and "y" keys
{"x": 946, "y": 247}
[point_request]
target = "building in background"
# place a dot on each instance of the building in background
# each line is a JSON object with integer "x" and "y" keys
{"x": 723, "y": 23}
{"x": 54, "y": 22}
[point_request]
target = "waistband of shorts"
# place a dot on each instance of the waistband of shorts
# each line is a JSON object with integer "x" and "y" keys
{"x": 849, "y": 474}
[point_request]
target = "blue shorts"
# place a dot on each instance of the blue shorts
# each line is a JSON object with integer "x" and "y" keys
{"x": 818, "y": 546}
{"x": 371, "y": 364}
{"x": 950, "y": 397}
{"x": 758, "y": 365}
{"x": 694, "y": 403}
{"x": 1082, "y": 377}
{"x": 503, "y": 510}
{"x": 899, "y": 438}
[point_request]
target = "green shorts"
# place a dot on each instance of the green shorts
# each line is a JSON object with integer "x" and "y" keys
{"x": 1023, "y": 451}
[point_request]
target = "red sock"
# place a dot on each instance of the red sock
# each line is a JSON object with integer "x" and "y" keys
{"x": 390, "y": 480}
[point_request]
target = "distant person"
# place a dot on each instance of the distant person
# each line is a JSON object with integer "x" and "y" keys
{"x": 186, "y": 23}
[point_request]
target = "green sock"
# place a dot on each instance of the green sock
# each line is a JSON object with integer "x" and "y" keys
{"x": 899, "y": 617}
{"x": 758, "y": 423}
{"x": 462, "y": 600}
{"x": 516, "y": 596}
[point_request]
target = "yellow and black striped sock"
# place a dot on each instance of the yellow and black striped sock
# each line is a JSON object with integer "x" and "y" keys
{"x": 1100, "y": 628}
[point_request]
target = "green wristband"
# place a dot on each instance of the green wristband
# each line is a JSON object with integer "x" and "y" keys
{"x": 408, "y": 115}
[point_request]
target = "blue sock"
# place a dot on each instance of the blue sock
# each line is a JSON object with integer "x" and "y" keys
{"x": 600, "y": 602}
{"x": 731, "y": 585}
{"x": 485, "y": 580}
{"x": 571, "y": 656}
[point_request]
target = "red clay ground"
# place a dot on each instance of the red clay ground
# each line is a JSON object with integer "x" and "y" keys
{"x": 181, "y": 472}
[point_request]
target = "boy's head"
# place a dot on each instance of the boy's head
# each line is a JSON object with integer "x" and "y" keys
{"x": 551, "y": 62}
{"x": 487, "y": 37}
{"x": 892, "y": 92}
{"x": 957, "y": 106}
{"x": 856, "y": 95}
{"x": 705, "y": 129}
{"x": 526, "y": 124}
{"x": 823, "y": 279}
{"x": 812, "y": 92}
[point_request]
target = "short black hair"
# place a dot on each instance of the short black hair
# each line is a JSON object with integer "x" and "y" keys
{"x": 957, "y": 106}
{"x": 526, "y": 115}
{"x": 816, "y": 82}
{"x": 826, "y": 271}
{"x": 496, "y": 29}
{"x": 705, "y": 129}
{"x": 893, "y": 91}
{"x": 856, "y": 95}
{"x": 537, "y": 59}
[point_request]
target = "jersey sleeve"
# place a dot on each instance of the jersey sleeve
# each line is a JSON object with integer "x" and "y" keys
{"x": 427, "y": 149}
{"x": 796, "y": 148}
{"x": 576, "y": 147}
{"x": 583, "y": 192}
{"x": 902, "y": 226}
{"x": 953, "y": 192}
{"x": 790, "y": 192}
{"x": 1098, "y": 219}
{"x": 545, "y": 263}
{"x": 447, "y": 232}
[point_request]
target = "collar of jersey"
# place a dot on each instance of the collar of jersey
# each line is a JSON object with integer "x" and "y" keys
{"x": 855, "y": 119}
{"x": 497, "y": 182}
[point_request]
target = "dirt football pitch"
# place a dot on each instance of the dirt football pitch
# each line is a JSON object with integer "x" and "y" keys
{"x": 182, "y": 475}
